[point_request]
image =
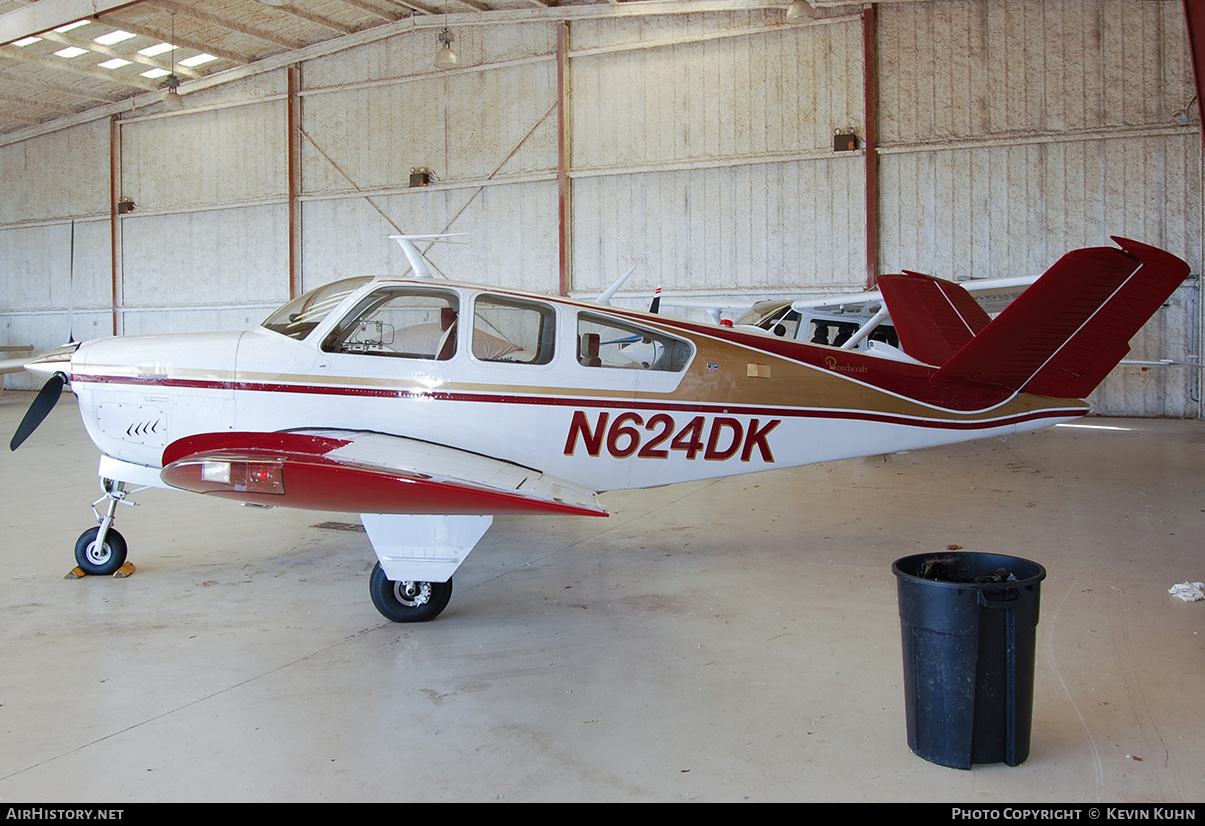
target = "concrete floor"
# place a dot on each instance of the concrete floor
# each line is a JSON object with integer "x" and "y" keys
{"x": 735, "y": 640}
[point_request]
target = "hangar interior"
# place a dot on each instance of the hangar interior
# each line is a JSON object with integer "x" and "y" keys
{"x": 733, "y": 640}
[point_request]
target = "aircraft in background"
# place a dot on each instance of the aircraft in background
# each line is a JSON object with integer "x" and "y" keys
{"x": 14, "y": 365}
{"x": 852, "y": 321}
{"x": 429, "y": 406}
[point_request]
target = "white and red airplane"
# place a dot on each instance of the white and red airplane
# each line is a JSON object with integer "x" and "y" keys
{"x": 428, "y": 406}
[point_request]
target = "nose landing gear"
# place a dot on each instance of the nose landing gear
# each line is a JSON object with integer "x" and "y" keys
{"x": 101, "y": 551}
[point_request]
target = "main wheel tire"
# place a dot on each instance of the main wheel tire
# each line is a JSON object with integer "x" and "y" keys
{"x": 408, "y": 601}
{"x": 100, "y": 560}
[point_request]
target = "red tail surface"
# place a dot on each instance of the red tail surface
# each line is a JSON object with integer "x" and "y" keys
{"x": 1059, "y": 338}
{"x": 933, "y": 318}
{"x": 1063, "y": 335}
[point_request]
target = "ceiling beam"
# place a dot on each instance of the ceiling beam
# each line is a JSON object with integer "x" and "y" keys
{"x": 62, "y": 65}
{"x": 57, "y": 109}
{"x": 373, "y": 10}
{"x": 316, "y": 19}
{"x": 45, "y": 15}
{"x": 108, "y": 51}
{"x": 224, "y": 23}
{"x": 165, "y": 37}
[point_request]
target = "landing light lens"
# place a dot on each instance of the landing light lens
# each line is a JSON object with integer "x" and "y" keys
{"x": 246, "y": 477}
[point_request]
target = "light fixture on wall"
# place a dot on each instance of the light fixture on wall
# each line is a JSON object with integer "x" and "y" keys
{"x": 172, "y": 102}
{"x": 800, "y": 11}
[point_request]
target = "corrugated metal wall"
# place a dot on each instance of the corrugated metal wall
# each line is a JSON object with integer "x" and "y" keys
{"x": 488, "y": 132}
{"x": 702, "y": 150}
{"x": 697, "y": 147}
{"x": 1011, "y": 132}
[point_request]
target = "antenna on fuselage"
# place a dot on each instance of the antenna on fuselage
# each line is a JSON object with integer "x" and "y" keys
{"x": 418, "y": 263}
{"x": 605, "y": 298}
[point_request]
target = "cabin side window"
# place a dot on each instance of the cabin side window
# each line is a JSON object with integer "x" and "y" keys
{"x": 513, "y": 330}
{"x": 831, "y": 332}
{"x": 608, "y": 342}
{"x": 399, "y": 322}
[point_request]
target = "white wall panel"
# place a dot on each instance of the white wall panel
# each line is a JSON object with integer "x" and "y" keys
{"x": 967, "y": 68}
{"x": 210, "y": 158}
{"x": 369, "y": 138}
{"x": 210, "y": 228}
{"x": 702, "y": 152}
{"x": 56, "y": 176}
{"x": 43, "y": 272}
{"x": 767, "y": 228}
{"x": 227, "y": 257}
{"x": 511, "y": 234}
{"x": 48, "y": 294}
{"x": 50, "y": 289}
{"x": 744, "y": 95}
{"x": 1012, "y": 210}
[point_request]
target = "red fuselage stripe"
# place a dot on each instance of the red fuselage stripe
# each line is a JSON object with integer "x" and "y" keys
{"x": 591, "y": 402}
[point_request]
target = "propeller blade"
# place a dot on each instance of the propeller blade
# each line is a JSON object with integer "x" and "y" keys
{"x": 45, "y": 401}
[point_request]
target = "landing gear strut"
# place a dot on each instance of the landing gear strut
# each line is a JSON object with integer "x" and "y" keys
{"x": 101, "y": 551}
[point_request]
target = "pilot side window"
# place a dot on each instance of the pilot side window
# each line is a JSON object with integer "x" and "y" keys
{"x": 513, "y": 330}
{"x": 608, "y": 342}
{"x": 401, "y": 322}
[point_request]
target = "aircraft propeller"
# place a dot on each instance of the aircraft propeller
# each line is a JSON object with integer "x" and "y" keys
{"x": 43, "y": 403}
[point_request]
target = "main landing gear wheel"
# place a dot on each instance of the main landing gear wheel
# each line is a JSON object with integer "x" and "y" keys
{"x": 100, "y": 560}
{"x": 408, "y": 601}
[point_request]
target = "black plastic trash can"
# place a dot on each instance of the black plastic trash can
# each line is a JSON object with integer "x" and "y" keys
{"x": 968, "y": 622}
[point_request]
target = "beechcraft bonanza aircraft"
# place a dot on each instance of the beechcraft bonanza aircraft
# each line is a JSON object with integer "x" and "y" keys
{"x": 428, "y": 406}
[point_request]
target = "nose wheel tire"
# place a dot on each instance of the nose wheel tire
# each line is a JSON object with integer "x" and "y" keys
{"x": 408, "y": 601}
{"x": 100, "y": 559}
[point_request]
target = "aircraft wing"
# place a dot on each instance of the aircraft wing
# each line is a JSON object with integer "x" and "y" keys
{"x": 13, "y": 365}
{"x": 981, "y": 288}
{"x": 990, "y": 292}
{"x": 363, "y": 472}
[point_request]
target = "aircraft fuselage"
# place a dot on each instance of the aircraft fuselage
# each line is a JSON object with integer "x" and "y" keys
{"x": 730, "y": 402}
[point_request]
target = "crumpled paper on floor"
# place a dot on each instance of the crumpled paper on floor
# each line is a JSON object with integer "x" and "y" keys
{"x": 1188, "y": 591}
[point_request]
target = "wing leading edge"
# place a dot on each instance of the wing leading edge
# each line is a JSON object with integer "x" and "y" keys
{"x": 363, "y": 472}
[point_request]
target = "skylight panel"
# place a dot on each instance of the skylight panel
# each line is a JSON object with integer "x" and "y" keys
{"x": 155, "y": 73}
{"x": 71, "y": 51}
{"x": 197, "y": 60}
{"x": 151, "y": 51}
{"x": 71, "y": 26}
{"x": 25, "y": 41}
{"x": 114, "y": 37}
{"x": 115, "y": 63}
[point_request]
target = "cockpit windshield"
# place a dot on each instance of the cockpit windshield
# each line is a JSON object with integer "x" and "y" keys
{"x": 301, "y": 315}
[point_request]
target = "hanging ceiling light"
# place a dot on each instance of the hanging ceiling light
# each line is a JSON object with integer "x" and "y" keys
{"x": 801, "y": 11}
{"x": 445, "y": 58}
{"x": 172, "y": 102}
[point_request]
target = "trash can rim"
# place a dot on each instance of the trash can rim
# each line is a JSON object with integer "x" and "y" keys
{"x": 1038, "y": 576}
